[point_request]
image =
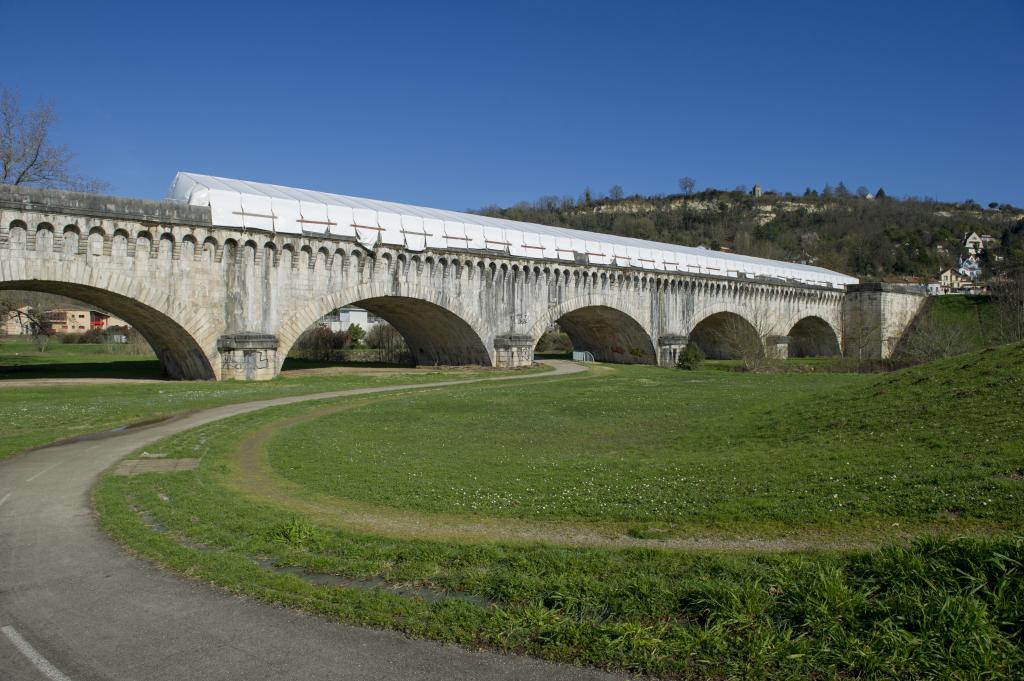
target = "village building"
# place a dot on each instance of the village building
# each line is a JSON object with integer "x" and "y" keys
{"x": 973, "y": 243}
{"x": 952, "y": 281}
{"x": 79, "y": 320}
{"x": 344, "y": 317}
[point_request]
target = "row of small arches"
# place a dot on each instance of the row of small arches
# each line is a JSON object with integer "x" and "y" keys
{"x": 121, "y": 243}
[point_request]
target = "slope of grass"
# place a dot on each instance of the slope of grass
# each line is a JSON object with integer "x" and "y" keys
{"x": 927, "y": 445}
{"x": 973, "y": 318}
{"x": 34, "y": 415}
{"x": 936, "y": 608}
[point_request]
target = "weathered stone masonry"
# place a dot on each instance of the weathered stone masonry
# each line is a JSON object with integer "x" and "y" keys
{"x": 220, "y": 302}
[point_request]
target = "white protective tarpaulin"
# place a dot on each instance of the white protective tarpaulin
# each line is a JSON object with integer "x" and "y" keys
{"x": 390, "y": 228}
{"x": 367, "y": 229}
{"x": 287, "y": 210}
{"x": 413, "y": 229}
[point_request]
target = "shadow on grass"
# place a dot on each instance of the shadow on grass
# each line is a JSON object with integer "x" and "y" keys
{"x": 296, "y": 363}
{"x": 552, "y": 355}
{"x": 127, "y": 369}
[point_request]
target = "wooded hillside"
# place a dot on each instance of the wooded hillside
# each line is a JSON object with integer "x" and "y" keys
{"x": 870, "y": 236}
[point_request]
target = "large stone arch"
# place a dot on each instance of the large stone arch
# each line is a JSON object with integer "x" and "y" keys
{"x": 437, "y": 332}
{"x": 599, "y": 326}
{"x": 180, "y": 353}
{"x": 812, "y": 336}
{"x": 727, "y": 335}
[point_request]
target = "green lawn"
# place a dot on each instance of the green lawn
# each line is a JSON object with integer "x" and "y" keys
{"x": 661, "y": 447}
{"x": 20, "y": 358}
{"x": 37, "y": 414}
{"x": 975, "y": 316}
{"x": 929, "y": 445}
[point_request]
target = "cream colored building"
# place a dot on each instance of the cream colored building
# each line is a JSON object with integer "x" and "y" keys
{"x": 952, "y": 280}
{"x": 80, "y": 320}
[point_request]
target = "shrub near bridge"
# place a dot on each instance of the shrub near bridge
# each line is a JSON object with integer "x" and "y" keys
{"x": 691, "y": 358}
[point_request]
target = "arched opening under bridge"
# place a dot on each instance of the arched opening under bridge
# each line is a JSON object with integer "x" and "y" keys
{"x": 427, "y": 334}
{"x": 727, "y": 335}
{"x": 813, "y": 337}
{"x": 608, "y": 334}
{"x": 180, "y": 355}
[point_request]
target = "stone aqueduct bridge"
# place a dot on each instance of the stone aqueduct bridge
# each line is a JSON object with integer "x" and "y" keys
{"x": 219, "y": 303}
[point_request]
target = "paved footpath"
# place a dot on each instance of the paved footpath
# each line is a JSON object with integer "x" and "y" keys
{"x": 74, "y": 605}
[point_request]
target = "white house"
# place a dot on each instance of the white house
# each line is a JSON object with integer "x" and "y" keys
{"x": 970, "y": 267}
{"x": 974, "y": 243}
{"x": 344, "y": 317}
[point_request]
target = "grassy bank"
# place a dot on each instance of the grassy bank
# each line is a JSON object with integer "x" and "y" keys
{"x": 658, "y": 447}
{"x": 937, "y": 609}
{"x": 36, "y": 414}
{"x": 20, "y": 358}
{"x": 975, "y": 316}
{"x": 932, "y": 608}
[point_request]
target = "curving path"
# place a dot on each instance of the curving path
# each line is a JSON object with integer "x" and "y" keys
{"x": 74, "y": 605}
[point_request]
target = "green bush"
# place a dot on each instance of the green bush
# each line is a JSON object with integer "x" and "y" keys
{"x": 691, "y": 358}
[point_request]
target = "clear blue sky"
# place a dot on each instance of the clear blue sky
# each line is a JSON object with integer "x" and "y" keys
{"x": 460, "y": 105}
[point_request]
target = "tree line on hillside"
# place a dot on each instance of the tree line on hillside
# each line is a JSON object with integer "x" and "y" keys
{"x": 871, "y": 236}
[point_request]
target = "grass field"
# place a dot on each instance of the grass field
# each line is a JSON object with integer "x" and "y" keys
{"x": 20, "y": 358}
{"x": 974, "y": 315}
{"x": 38, "y": 413}
{"x": 652, "y": 453}
{"x": 662, "y": 447}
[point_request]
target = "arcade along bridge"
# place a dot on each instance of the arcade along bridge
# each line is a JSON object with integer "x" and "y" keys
{"x": 224, "y": 276}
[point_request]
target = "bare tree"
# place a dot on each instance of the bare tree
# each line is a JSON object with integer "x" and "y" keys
{"x": 321, "y": 344}
{"x": 862, "y": 337}
{"x": 27, "y": 155}
{"x": 686, "y": 185}
{"x": 389, "y": 343}
{"x": 928, "y": 339}
{"x": 42, "y": 334}
{"x": 30, "y": 321}
{"x": 1008, "y": 295}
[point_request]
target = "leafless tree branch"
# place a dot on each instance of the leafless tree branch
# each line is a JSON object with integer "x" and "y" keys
{"x": 27, "y": 157}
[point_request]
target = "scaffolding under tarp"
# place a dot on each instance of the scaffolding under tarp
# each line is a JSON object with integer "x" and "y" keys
{"x": 291, "y": 211}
